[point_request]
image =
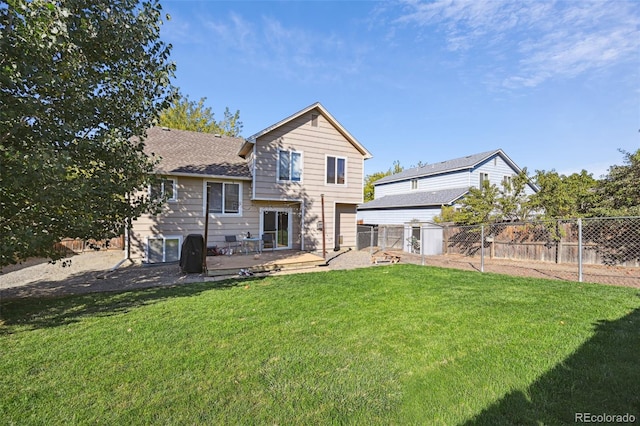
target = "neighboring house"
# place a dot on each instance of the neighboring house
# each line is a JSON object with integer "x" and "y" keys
{"x": 417, "y": 195}
{"x": 275, "y": 182}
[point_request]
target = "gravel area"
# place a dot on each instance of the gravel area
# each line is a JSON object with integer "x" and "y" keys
{"x": 107, "y": 271}
{"x": 83, "y": 273}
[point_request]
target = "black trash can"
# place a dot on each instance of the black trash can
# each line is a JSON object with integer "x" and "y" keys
{"x": 191, "y": 255}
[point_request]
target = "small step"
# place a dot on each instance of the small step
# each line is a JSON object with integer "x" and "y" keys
{"x": 290, "y": 263}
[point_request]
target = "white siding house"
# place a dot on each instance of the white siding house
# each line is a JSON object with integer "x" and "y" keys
{"x": 417, "y": 195}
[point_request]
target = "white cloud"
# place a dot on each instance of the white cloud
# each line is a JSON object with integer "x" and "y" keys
{"x": 290, "y": 51}
{"x": 233, "y": 33}
{"x": 544, "y": 39}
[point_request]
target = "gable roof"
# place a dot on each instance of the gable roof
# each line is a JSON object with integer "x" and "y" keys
{"x": 248, "y": 145}
{"x": 416, "y": 199}
{"x": 189, "y": 153}
{"x": 457, "y": 164}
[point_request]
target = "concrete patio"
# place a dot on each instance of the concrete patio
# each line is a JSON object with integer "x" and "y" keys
{"x": 267, "y": 261}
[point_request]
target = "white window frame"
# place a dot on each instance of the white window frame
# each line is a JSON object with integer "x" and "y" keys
{"x": 289, "y": 212}
{"x": 326, "y": 167}
{"x": 483, "y": 176}
{"x": 205, "y": 186}
{"x": 414, "y": 184}
{"x": 164, "y": 239}
{"x": 290, "y": 153}
{"x": 507, "y": 179}
{"x": 162, "y": 188}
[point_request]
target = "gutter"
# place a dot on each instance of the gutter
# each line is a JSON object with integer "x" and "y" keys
{"x": 201, "y": 175}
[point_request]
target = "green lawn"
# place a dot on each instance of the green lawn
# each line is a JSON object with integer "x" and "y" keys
{"x": 399, "y": 344}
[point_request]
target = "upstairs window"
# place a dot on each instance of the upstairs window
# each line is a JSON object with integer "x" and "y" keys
{"x": 162, "y": 188}
{"x": 224, "y": 197}
{"x": 484, "y": 177}
{"x": 289, "y": 166}
{"x": 507, "y": 183}
{"x": 414, "y": 184}
{"x": 336, "y": 170}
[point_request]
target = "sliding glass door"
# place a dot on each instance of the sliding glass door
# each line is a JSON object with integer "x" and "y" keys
{"x": 277, "y": 223}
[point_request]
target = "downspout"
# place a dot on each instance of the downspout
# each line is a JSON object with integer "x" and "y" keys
{"x": 127, "y": 239}
{"x": 302, "y": 233}
{"x": 253, "y": 173}
{"x": 206, "y": 230}
{"x": 127, "y": 233}
{"x": 324, "y": 229}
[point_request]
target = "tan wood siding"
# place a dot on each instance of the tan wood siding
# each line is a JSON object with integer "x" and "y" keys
{"x": 185, "y": 216}
{"x": 315, "y": 143}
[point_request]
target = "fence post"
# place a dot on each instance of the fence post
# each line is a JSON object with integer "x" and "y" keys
{"x": 422, "y": 241}
{"x": 384, "y": 237}
{"x": 580, "y": 249}
{"x": 445, "y": 240}
{"x": 371, "y": 243}
{"x": 558, "y": 242}
{"x": 481, "y": 248}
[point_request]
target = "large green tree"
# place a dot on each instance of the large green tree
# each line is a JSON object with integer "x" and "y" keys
{"x": 480, "y": 205}
{"x": 620, "y": 188}
{"x": 492, "y": 203}
{"x": 185, "y": 114}
{"x": 561, "y": 196}
{"x": 79, "y": 79}
{"x": 513, "y": 202}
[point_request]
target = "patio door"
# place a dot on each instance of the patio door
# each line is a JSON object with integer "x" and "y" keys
{"x": 277, "y": 222}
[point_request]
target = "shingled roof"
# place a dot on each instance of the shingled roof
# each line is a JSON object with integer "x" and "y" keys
{"x": 456, "y": 164}
{"x": 416, "y": 199}
{"x": 193, "y": 153}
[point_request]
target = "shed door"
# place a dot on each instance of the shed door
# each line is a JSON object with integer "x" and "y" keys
{"x": 432, "y": 240}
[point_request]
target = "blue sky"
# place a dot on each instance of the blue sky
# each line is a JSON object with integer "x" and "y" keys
{"x": 555, "y": 84}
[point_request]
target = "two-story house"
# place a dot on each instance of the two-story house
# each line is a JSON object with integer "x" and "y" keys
{"x": 283, "y": 181}
{"x": 417, "y": 195}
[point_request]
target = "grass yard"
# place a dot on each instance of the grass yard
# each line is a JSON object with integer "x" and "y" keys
{"x": 399, "y": 344}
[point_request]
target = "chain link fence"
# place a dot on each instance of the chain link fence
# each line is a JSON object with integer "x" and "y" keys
{"x": 605, "y": 242}
{"x": 384, "y": 237}
{"x": 604, "y": 249}
{"x": 593, "y": 241}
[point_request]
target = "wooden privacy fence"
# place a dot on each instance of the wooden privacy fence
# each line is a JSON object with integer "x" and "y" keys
{"x": 597, "y": 241}
{"x": 78, "y": 245}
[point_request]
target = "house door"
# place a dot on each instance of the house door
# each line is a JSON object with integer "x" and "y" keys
{"x": 277, "y": 222}
{"x": 344, "y": 225}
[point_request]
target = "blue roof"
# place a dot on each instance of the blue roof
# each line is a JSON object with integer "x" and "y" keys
{"x": 462, "y": 163}
{"x": 416, "y": 199}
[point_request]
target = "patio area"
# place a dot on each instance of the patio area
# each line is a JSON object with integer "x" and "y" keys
{"x": 267, "y": 261}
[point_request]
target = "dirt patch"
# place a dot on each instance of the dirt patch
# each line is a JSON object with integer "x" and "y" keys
{"x": 86, "y": 273}
{"x": 103, "y": 271}
{"x": 612, "y": 275}
{"x": 108, "y": 271}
